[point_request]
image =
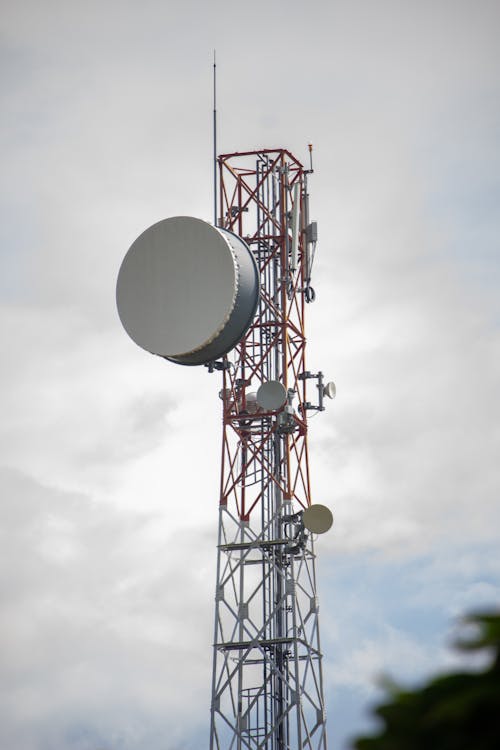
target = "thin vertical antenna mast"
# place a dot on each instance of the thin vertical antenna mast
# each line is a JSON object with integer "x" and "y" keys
{"x": 215, "y": 141}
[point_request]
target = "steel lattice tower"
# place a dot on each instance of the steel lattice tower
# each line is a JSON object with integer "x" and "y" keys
{"x": 267, "y": 684}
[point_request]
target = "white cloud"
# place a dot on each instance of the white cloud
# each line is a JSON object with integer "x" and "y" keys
{"x": 392, "y": 652}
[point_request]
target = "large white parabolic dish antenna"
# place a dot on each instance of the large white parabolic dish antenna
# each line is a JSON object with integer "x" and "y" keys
{"x": 187, "y": 291}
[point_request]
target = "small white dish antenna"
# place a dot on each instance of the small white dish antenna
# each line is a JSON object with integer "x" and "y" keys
{"x": 330, "y": 390}
{"x": 317, "y": 518}
{"x": 271, "y": 395}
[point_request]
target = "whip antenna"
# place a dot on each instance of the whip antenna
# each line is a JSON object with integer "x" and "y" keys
{"x": 215, "y": 139}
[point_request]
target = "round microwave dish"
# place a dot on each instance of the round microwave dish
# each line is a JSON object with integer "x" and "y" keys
{"x": 187, "y": 291}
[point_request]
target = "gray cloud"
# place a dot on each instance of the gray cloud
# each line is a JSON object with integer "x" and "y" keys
{"x": 99, "y": 618}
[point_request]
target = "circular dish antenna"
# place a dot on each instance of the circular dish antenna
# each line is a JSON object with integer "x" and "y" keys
{"x": 317, "y": 518}
{"x": 187, "y": 291}
{"x": 271, "y": 395}
{"x": 330, "y": 390}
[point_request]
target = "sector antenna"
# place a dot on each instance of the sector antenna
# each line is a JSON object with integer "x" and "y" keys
{"x": 233, "y": 297}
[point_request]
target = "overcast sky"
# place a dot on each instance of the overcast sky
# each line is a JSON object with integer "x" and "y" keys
{"x": 110, "y": 457}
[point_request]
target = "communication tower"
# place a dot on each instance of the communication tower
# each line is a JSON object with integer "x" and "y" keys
{"x": 233, "y": 298}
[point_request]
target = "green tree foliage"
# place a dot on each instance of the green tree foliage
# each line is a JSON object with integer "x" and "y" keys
{"x": 457, "y": 711}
